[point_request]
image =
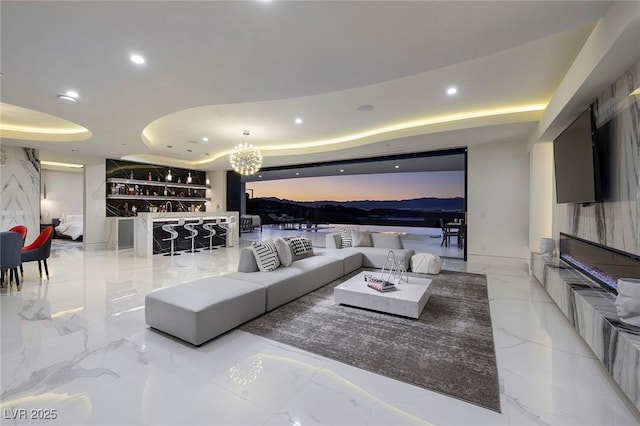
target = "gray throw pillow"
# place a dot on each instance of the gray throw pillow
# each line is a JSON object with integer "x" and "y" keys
{"x": 266, "y": 255}
{"x": 361, "y": 238}
{"x": 284, "y": 252}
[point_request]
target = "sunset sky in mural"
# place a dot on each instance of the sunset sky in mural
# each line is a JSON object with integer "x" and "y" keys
{"x": 388, "y": 186}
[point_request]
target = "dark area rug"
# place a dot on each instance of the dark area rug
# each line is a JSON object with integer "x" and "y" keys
{"x": 449, "y": 349}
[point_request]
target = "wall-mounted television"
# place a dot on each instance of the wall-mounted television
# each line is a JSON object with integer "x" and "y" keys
{"x": 576, "y": 162}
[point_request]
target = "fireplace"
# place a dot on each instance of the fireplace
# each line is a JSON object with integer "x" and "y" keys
{"x": 603, "y": 264}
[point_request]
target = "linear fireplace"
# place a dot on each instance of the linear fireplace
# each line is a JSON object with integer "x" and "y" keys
{"x": 604, "y": 264}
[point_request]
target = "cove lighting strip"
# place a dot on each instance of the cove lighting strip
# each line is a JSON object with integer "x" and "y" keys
{"x": 397, "y": 127}
{"x": 55, "y": 163}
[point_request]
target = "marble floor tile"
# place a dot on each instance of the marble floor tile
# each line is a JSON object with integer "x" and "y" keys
{"x": 78, "y": 344}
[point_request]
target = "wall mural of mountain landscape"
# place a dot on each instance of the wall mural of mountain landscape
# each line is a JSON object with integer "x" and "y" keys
{"x": 416, "y": 199}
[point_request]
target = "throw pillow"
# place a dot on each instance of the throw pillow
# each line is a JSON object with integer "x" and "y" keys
{"x": 360, "y": 238}
{"x": 347, "y": 240}
{"x": 266, "y": 255}
{"x": 301, "y": 247}
{"x": 284, "y": 252}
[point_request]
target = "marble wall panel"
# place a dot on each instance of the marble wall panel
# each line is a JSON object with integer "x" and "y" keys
{"x": 616, "y": 221}
{"x": 591, "y": 310}
{"x": 20, "y": 184}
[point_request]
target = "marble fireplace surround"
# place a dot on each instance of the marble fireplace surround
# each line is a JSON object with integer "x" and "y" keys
{"x": 591, "y": 310}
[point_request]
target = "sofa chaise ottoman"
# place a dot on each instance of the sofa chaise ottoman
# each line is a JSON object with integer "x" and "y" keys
{"x": 200, "y": 310}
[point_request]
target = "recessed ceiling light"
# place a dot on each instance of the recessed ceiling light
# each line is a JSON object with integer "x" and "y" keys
{"x": 205, "y": 139}
{"x": 297, "y": 174}
{"x": 341, "y": 170}
{"x": 169, "y": 146}
{"x": 298, "y": 120}
{"x": 452, "y": 90}
{"x": 189, "y": 150}
{"x": 123, "y": 144}
{"x": 206, "y": 153}
{"x": 246, "y": 132}
{"x": 259, "y": 176}
{"x": 365, "y": 108}
{"x": 397, "y": 167}
{"x": 137, "y": 59}
{"x": 67, "y": 98}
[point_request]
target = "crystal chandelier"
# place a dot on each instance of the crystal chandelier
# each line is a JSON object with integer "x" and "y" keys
{"x": 246, "y": 159}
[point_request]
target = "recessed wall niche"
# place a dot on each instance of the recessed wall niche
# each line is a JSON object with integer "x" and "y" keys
{"x": 137, "y": 187}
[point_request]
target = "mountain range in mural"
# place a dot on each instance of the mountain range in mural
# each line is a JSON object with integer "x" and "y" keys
{"x": 422, "y": 204}
{"x": 424, "y": 211}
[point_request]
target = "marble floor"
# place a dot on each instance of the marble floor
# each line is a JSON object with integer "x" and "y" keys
{"x": 76, "y": 348}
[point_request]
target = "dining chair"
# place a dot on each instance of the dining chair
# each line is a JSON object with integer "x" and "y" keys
{"x": 462, "y": 233}
{"x": 10, "y": 256}
{"x": 22, "y": 230}
{"x": 39, "y": 250}
{"x": 447, "y": 233}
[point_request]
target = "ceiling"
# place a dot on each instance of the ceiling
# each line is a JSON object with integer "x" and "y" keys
{"x": 441, "y": 161}
{"x": 216, "y": 69}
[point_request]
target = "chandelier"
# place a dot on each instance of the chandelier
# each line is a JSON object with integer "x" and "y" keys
{"x": 246, "y": 159}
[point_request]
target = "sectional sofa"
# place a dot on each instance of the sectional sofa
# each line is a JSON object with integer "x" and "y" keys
{"x": 200, "y": 310}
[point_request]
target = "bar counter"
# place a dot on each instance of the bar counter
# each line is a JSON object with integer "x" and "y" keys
{"x": 148, "y": 234}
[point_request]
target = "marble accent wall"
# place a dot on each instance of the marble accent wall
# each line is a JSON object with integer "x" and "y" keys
{"x": 616, "y": 221}
{"x": 592, "y": 311}
{"x": 20, "y": 184}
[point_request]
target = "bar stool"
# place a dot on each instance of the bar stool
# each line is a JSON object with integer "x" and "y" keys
{"x": 191, "y": 227}
{"x": 209, "y": 226}
{"x": 170, "y": 228}
{"x": 229, "y": 226}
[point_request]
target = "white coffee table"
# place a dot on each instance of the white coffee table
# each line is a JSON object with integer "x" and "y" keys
{"x": 408, "y": 300}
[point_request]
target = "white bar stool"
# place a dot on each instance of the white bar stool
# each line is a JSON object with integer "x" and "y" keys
{"x": 209, "y": 226}
{"x": 229, "y": 226}
{"x": 170, "y": 228}
{"x": 191, "y": 227}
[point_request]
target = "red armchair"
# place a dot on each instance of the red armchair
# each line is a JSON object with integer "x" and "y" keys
{"x": 22, "y": 230}
{"x": 39, "y": 250}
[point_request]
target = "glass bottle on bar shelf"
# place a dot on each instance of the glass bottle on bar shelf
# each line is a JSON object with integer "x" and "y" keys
{"x": 149, "y": 178}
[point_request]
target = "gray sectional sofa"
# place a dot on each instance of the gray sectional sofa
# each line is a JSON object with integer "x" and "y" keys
{"x": 200, "y": 310}
{"x": 375, "y": 254}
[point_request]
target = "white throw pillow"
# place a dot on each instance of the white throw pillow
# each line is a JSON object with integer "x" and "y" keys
{"x": 426, "y": 263}
{"x": 360, "y": 238}
{"x": 284, "y": 252}
{"x": 628, "y": 301}
{"x": 266, "y": 255}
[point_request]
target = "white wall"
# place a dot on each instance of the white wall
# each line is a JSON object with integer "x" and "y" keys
{"x": 218, "y": 191}
{"x": 541, "y": 194}
{"x": 95, "y": 204}
{"x": 64, "y": 194}
{"x": 498, "y": 201}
